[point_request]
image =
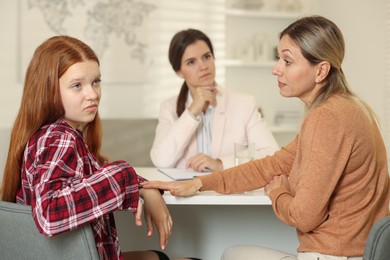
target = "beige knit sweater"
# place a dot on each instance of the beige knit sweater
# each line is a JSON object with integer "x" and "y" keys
{"x": 338, "y": 176}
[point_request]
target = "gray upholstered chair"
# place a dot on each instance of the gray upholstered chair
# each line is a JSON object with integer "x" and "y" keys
{"x": 20, "y": 238}
{"x": 378, "y": 242}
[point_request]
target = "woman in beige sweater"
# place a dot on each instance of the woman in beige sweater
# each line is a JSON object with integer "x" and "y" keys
{"x": 331, "y": 182}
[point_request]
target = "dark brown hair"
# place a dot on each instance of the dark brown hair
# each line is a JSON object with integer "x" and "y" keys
{"x": 178, "y": 44}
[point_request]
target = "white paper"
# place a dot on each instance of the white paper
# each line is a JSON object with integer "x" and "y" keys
{"x": 181, "y": 174}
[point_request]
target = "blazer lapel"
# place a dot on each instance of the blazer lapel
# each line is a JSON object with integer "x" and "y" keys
{"x": 219, "y": 120}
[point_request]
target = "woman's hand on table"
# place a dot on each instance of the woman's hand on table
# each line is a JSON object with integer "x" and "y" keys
{"x": 176, "y": 188}
{"x": 201, "y": 162}
{"x": 276, "y": 182}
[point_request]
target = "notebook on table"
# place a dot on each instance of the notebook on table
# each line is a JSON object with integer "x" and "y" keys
{"x": 182, "y": 174}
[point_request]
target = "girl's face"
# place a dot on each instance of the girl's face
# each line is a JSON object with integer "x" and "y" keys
{"x": 80, "y": 92}
{"x": 296, "y": 76}
{"x": 197, "y": 65}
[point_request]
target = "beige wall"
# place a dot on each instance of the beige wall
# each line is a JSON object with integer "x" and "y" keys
{"x": 9, "y": 88}
{"x": 362, "y": 23}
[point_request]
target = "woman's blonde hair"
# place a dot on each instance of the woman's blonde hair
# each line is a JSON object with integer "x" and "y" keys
{"x": 41, "y": 103}
{"x": 321, "y": 40}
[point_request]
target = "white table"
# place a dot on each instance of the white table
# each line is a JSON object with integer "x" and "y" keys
{"x": 207, "y": 223}
{"x": 257, "y": 197}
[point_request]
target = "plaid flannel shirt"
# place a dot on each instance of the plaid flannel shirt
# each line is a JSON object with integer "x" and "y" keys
{"x": 67, "y": 188}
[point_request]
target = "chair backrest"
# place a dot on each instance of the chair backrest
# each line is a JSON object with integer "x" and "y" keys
{"x": 378, "y": 242}
{"x": 20, "y": 238}
{"x": 137, "y": 133}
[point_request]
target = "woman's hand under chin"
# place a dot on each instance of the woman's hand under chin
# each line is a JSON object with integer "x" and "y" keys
{"x": 202, "y": 97}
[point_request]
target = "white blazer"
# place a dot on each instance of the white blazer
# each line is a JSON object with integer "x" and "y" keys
{"x": 235, "y": 119}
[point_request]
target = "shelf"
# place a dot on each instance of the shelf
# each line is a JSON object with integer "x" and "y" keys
{"x": 254, "y": 64}
{"x": 261, "y": 14}
{"x": 251, "y": 38}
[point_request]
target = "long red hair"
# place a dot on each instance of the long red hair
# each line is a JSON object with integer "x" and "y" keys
{"x": 41, "y": 104}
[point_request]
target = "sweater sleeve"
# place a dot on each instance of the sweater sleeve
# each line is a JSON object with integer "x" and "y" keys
{"x": 322, "y": 155}
{"x": 252, "y": 175}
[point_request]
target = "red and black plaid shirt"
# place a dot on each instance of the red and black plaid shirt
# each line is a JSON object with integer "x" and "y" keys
{"x": 67, "y": 188}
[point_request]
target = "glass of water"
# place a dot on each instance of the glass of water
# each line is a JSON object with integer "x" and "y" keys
{"x": 243, "y": 152}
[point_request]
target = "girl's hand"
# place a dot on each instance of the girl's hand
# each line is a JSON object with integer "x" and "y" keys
{"x": 138, "y": 213}
{"x": 156, "y": 213}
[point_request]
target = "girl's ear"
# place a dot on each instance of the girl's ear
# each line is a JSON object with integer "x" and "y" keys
{"x": 323, "y": 71}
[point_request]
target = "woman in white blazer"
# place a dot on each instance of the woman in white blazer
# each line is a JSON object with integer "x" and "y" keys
{"x": 198, "y": 128}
